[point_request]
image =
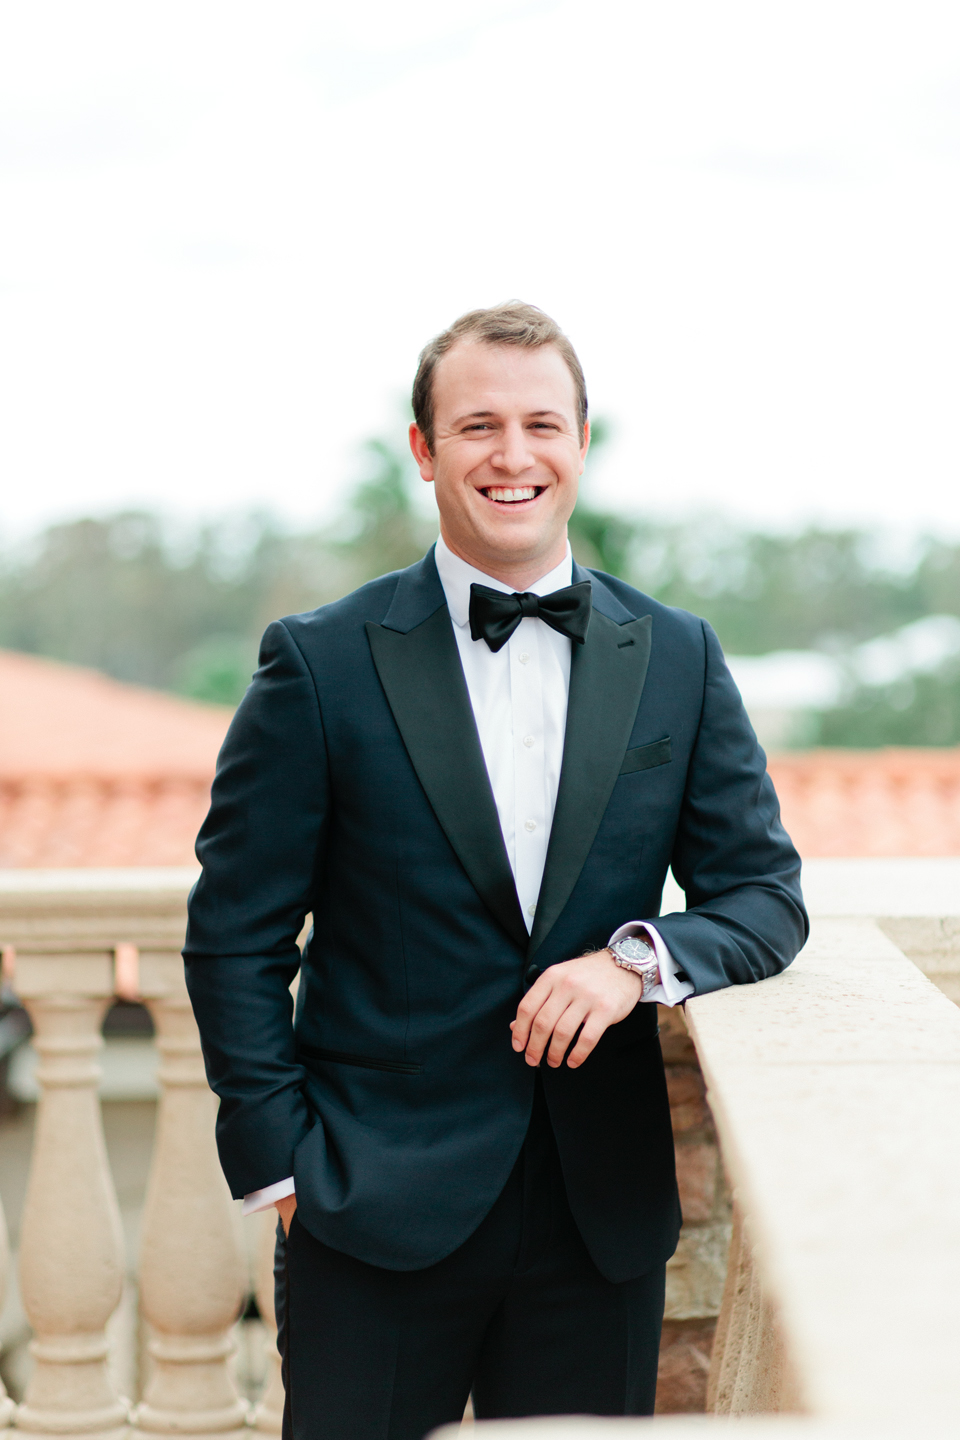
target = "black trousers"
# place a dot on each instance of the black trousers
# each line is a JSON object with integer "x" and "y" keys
{"x": 519, "y": 1315}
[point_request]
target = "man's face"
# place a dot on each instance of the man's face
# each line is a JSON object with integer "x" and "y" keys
{"x": 507, "y": 455}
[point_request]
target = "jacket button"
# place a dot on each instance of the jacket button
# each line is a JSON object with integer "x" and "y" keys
{"x": 532, "y": 972}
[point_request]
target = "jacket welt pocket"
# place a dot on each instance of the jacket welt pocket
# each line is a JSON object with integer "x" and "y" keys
{"x": 645, "y": 757}
{"x": 365, "y": 1062}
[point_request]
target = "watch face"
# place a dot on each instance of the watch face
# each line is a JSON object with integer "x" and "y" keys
{"x": 633, "y": 948}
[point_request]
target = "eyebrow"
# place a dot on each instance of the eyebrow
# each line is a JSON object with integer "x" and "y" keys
{"x": 490, "y": 414}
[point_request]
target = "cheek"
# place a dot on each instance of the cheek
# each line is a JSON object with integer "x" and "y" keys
{"x": 448, "y": 489}
{"x": 567, "y": 491}
{"x": 567, "y": 465}
{"x": 451, "y": 474}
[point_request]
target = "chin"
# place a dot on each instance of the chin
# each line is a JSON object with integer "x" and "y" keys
{"x": 518, "y": 541}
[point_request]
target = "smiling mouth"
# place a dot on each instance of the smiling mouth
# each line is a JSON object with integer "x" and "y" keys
{"x": 516, "y": 495}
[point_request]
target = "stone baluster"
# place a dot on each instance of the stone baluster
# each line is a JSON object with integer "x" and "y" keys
{"x": 62, "y": 935}
{"x": 268, "y": 1415}
{"x": 192, "y": 1268}
{"x": 71, "y": 1244}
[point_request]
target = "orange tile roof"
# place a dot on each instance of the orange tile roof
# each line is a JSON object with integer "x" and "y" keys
{"x": 870, "y": 802}
{"x": 54, "y": 823}
{"x": 63, "y": 720}
{"x": 94, "y": 772}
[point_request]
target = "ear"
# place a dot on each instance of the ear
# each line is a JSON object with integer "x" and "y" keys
{"x": 584, "y": 447}
{"x": 421, "y": 452}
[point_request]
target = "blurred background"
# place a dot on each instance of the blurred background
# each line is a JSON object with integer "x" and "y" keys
{"x": 228, "y": 230}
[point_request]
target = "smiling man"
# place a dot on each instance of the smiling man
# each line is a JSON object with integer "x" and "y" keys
{"x": 475, "y": 774}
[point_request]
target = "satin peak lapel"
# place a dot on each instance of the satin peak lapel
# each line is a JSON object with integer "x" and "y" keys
{"x": 422, "y": 678}
{"x": 607, "y": 674}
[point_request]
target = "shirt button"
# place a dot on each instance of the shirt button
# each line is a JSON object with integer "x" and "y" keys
{"x": 528, "y": 740}
{"x": 530, "y": 825}
{"x": 523, "y": 658}
{"x": 531, "y": 909}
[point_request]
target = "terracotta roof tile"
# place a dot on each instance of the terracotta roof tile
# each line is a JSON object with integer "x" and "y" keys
{"x": 55, "y": 821}
{"x": 97, "y": 773}
{"x": 63, "y": 720}
{"x": 94, "y": 772}
{"x": 870, "y": 802}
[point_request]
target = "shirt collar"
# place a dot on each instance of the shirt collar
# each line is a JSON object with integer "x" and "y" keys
{"x": 456, "y": 577}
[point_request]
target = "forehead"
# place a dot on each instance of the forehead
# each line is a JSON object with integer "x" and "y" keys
{"x": 475, "y": 376}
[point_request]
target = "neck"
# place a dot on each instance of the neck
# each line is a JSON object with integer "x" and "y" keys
{"x": 517, "y": 572}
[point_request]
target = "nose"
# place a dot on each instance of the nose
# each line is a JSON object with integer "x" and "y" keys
{"x": 513, "y": 455}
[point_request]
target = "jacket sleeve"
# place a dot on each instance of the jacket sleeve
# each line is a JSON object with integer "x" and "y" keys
{"x": 259, "y": 848}
{"x": 745, "y": 916}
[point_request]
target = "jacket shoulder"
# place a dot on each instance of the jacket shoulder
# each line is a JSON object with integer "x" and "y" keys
{"x": 669, "y": 622}
{"x": 368, "y": 602}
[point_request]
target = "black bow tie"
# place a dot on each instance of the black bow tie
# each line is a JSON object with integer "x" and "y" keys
{"x": 494, "y": 616}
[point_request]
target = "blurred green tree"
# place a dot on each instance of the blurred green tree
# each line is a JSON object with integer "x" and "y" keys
{"x": 918, "y": 710}
{"x": 184, "y": 611}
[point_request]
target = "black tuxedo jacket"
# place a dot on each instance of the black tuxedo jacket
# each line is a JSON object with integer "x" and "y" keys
{"x": 352, "y": 784}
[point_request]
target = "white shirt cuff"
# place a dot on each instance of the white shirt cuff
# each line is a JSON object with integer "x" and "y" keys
{"x": 263, "y": 1199}
{"x": 670, "y": 991}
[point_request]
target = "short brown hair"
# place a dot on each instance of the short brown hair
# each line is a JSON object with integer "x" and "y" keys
{"x": 512, "y": 323}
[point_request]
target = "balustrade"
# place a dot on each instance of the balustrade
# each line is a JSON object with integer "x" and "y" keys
{"x": 78, "y": 939}
{"x": 192, "y": 1268}
{"x": 71, "y": 1245}
{"x": 834, "y": 1089}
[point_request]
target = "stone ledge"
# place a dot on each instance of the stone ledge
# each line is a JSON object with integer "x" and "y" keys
{"x": 850, "y": 997}
{"x": 834, "y": 1116}
{"x": 696, "y": 1427}
{"x": 114, "y": 884}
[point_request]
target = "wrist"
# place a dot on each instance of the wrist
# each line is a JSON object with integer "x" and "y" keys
{"x": 629, "y": 971}
{"x": 638, "y": 956}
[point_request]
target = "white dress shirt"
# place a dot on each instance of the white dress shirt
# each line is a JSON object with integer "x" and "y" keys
{"x": 519, "y": 699}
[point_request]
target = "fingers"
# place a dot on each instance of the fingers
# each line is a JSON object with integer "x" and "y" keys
{"x": 528, "y": 1009}
{"x": 550, "y": 1015}
{"x": 589, "y": 1035}
{"x": 565, "y": 1032}
{"x": 586, "y": 995}
{"x": 543, "y": 1025}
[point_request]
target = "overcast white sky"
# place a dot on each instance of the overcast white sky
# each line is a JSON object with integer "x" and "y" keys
{"x": 226, "y": 229}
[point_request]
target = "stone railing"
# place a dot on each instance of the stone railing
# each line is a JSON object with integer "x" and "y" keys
{"x": 834, "y": 1089}
{"x": 72, "y": 942}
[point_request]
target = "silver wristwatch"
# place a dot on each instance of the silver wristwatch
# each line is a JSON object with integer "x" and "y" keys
{"x": 632, "y": 953}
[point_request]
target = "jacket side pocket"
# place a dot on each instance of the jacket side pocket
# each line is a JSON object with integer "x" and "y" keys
{"x": 365, "y": 1062}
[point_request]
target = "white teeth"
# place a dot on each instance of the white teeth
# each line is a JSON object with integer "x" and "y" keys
{"x": 527, "y": 493}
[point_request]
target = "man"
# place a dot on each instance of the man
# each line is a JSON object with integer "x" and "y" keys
{"x": 475, "y": 774}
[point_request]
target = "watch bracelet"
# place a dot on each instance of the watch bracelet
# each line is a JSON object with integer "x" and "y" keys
{"x": 643, "y": 968}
